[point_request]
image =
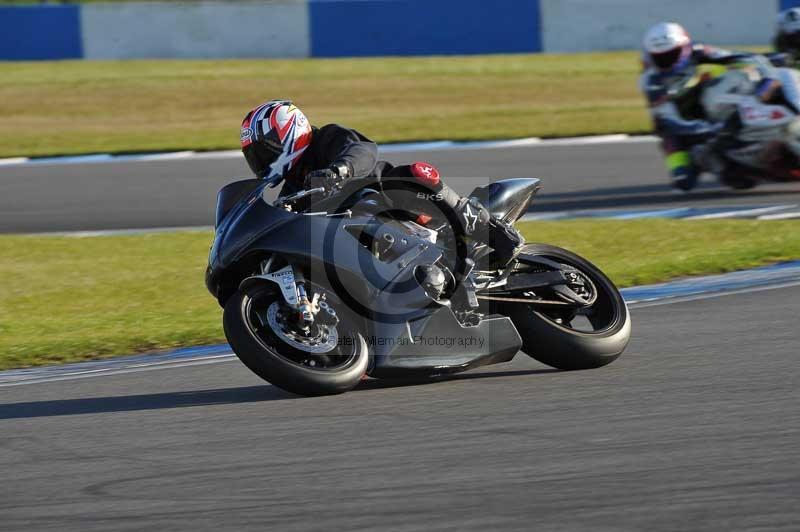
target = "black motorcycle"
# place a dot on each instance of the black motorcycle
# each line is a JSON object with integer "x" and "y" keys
{"x": 322, "y": 289}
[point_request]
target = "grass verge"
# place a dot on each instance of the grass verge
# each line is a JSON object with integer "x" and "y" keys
{"x": 71, "y": 107}
{"x": 67, "y": 299}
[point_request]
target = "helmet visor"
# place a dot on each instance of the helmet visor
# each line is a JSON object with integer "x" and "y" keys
{"x": 259, "y": 157}
{"x": 792, "y": 40}
{"x": 668, "y": 59}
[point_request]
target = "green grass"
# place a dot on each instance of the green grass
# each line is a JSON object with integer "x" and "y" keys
{"x": 70, "y": 107}
{"x": 67, "y": 299}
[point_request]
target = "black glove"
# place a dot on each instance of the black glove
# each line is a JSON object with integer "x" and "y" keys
{"x": 328, "y": 178}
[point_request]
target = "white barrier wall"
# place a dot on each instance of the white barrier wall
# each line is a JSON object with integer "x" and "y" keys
{"x": 277, "y": 28}
{"x": 585, "y": 25}
{"x": 343, "y": 28}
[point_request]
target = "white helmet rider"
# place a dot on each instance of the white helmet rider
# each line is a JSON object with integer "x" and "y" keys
{"x": 667, "y": 47}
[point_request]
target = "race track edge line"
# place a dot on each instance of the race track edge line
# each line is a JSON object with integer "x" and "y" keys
{"x": 435, "y": 145}
{"x": 771, "y": 277}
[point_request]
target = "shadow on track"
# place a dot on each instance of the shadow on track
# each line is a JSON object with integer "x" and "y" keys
{"x": 132, "y": 403}
{"x": 227, "y": 396}
{"x": 381, "y": 384}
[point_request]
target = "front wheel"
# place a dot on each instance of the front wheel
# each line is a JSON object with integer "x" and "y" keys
{"x": 569, "y": 338}
{"x": 322, "y": 360}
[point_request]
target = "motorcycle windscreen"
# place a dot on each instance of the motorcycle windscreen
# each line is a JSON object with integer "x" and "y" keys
{"x": 231, "y": 194}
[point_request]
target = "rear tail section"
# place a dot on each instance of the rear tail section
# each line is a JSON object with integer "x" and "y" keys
{"x": 508, "y": 199}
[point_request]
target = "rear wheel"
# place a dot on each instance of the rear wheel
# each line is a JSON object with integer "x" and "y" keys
{"x": 321, "y": 360}
{"x": 738, "y": 178}
{"x": 569, "y": 337}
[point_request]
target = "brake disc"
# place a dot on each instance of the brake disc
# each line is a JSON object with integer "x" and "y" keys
{"x": 323, "y": 341}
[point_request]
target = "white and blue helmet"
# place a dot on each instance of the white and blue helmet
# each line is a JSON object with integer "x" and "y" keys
{"x": 789, "y": 21}
{"x": 667, "y": 47}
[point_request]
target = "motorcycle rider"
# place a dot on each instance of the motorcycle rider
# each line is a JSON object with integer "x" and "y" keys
{"x": 690, "y": 141}
{"x": 279, "y": 144}
{"x": 787, "y": 39}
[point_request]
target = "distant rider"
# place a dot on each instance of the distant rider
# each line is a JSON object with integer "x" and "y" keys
{"x": 691, "y": 142}
{"x": 787, "y": 39}
{"x": 280, "y": 145}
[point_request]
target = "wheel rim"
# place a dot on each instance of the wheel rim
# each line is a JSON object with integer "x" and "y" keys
{"x": 598, "y": 317}
{"x": 321, "y": 349}
{"x": 319, "y": 340}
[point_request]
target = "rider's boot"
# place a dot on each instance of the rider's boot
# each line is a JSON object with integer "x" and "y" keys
{"x": 481, "y": 226}
{"x": 475, "y": 221}
{"x": 684, "y": 179}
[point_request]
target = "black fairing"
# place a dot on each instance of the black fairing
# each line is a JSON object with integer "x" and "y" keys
{"x": 404, "y": 329}
{"x": 437, "y": 344}
{"x": 253, "y": 229}
{"x": 508, "y": 199}
{"x": 231, "y": 194}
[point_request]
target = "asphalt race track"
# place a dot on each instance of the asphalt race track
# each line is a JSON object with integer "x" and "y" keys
{"x": 182, "y": 192}
{"x": 695, "y": 427}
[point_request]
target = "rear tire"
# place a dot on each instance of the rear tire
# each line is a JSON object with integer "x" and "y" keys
{"x": 563, "y": 347}
{"x": 270, "y": 357}
{"x": 738, "y": 178}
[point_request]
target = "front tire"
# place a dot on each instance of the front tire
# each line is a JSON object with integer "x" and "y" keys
{"x": 268, "y": 354}
{"x": 547, "y": 335}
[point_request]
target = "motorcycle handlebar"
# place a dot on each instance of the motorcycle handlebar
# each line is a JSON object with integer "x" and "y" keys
{"x": 291, "y": 198}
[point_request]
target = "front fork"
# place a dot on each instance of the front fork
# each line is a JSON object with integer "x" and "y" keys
{"x": 293, "y": 289}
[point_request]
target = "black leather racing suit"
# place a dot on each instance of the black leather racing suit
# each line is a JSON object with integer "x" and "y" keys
{"x": 352, "y": 155}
